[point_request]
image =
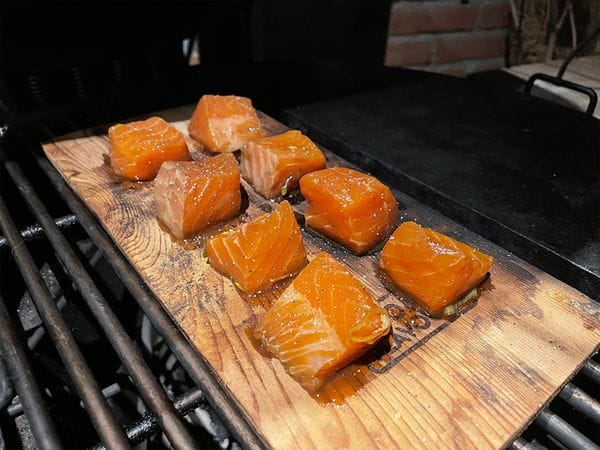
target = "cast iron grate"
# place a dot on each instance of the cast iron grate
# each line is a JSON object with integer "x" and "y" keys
{"x": 35, "y": 402}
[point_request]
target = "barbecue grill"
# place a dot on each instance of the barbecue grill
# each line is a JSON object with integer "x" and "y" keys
{"x": 89, "y": 357}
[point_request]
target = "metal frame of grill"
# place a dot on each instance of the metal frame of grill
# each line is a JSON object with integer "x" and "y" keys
{"x": 163, "y": 413}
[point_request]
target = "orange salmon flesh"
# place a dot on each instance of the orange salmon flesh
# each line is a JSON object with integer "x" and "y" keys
{"x": 192, "y": 196}
{"x": 432, "y": 268}
{"x": 322, "y": 322}
{"x": 274, "y": 165}
{"x": 224, "y": 123}
{"x": 137, "y": 149}
{"x": 352, "y": 208}
{"x": 260, "y": 253}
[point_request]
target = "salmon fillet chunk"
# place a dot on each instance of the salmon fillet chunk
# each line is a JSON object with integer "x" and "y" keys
{"x": 275, "y": 164}
{"x": 432, "y": 268}
{"x": 137, "y": 149}
{"x": 192, "y": 196}
{"x": 322, "y": 322}
{"x": 224, "y": 123}
{"x": 259, "y": 253}
{"x": 350, "y": 207}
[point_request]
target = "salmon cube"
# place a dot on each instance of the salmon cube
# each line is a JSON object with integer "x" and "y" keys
{"x": 192, "y": 196}
{"x": 224, "y": 123}
{"x": 274, "y": 165}
{"x": 137, "y": 149}
{"x": 349, "y": 207}
{"x": 432, "y": 268}
{"x": 260, "y": 253}
{"x": 322, "y": 322}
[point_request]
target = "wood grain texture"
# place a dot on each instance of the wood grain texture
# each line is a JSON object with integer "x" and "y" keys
{"x": 475, "y": 382}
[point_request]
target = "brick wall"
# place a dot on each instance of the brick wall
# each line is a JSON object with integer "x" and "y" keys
{"x": 448, "y": 36}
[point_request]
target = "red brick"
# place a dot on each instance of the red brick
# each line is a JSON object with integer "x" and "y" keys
{"x": 431, "y": 17}
{"x": 472, "y": 46}
{"x": 407, "y": 53}
{"x": 493, "y": 15}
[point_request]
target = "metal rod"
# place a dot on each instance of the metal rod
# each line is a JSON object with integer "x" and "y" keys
{"x": 569, "y": 58}
{"x": 35, "y": 231}
{"x": 581, "y": 401}
{"x": 104, "y": 422}
{"x": 150, "y": 390}
{"x": 591, "y": 369}
{"x": 17, "y": 408}
{"x": 563, "y": 432}
{"x": 147, "y": 425}
{"x": 21, "y": 374}
{"x": 199, "y": 369}
{"x": 521, "y": 444}
{"x": 38, "y": 334}
{"x": 7, "y": 391}
{"x": 537, "y": 445}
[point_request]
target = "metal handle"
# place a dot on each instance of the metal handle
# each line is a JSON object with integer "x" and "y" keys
{"x": 589, "y": 92}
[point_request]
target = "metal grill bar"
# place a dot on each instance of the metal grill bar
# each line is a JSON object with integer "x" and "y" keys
{"x": 241, "y": 429}
{"x": 87, "y": 387}
{"x": 521, "y": 444}
{"x": 13, "y": 352}
{"x": 36, "y": 232}
{"x": 563, "y": 432}
{"x": 7, "y": 391}
{"x": 581, "y": 401}
{"x": 144, "y": 428}
{"x": 591, "y": 369}
{"x": 15, "y": 409}
{"x": 153, "y": 395}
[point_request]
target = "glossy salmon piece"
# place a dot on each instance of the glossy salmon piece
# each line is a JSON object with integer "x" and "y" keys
{"x": 352, "y": 208}
{"x": 322, "y": 322}
{"x": 192, "y": 196}
{"x": 260, "y": 253}
{"x": 137, "y": 149}
{"x": 224, "y": 123}
{"x": 274, "y": 165}
{"x": 432, "y": 268}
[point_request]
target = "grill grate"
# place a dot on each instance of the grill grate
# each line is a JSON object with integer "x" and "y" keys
{"x": 79, "y": 371}
{"x": 22, "y": 376}
{"x": 163, "y": 414}
{"x": 139, "y": 431}
{"x": 549, "y": 428}
{"x": 149, "y": 388}
{"x": 195, "y": 366}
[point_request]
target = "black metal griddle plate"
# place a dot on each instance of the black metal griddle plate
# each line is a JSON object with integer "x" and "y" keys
{"x": 517, "y": 170}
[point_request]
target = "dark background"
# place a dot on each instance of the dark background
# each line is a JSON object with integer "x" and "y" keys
{"x": 121, "y": 58}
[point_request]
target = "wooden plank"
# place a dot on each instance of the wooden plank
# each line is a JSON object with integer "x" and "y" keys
{"x": 587, "y": 67}
{"x": 527, "y": 70}
{"x": 475, "y": 382}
